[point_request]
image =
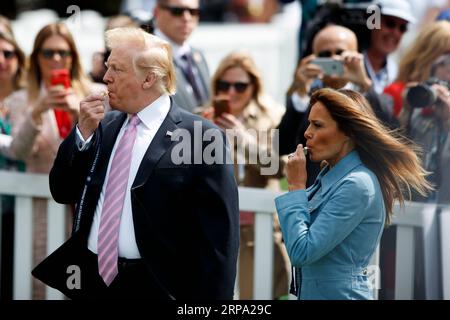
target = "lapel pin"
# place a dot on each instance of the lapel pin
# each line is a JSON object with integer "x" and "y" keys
{"x": 169, "y": 133}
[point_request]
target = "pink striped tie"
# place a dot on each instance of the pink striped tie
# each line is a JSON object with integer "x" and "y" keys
{"x": 108, "y": 234}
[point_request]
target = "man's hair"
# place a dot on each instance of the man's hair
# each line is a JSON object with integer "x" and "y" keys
{"x": 154, "y": 55}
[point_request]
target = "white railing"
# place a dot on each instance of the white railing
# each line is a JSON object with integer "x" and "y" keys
{"x": 436, "y": 254}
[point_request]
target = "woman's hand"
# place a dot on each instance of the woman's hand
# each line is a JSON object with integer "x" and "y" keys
{"x": 208, "y": 113}
{"x": 296, "y": 169}
{"x": 56, "y": 97}
{"x": 228, "y": 121}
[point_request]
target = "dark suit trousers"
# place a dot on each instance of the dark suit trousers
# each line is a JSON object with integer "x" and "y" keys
{"x": 134, "y": 281}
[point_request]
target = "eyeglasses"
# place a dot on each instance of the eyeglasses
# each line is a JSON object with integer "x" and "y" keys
{"x": 392, "y": 24}
{"x": 8, "y": 54}
{"x": 49, "y": 53}
{"x": 329, "y": 53}
{"x": 224, "y": 86}
{"x": 179, "y": 11}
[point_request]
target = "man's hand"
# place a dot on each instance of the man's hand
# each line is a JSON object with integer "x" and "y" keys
{"x": 92, "y": 111}
{"x": 305, "y": 74}
{"x": 443, "y": 102}
{"x": 354, "y": 70}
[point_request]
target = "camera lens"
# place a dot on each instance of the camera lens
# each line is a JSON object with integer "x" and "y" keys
{"x": 421, "y": 96}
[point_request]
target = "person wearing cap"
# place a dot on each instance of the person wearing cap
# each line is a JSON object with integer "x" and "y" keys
{"x": 395, "y": 17}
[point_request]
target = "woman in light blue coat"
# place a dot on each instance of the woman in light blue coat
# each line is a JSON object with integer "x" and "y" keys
{"x": 332, "y": 228}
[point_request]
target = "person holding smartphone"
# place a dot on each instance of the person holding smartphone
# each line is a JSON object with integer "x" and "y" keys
{"x": 240, "y": 107}
{"x": 43, "y": 114}
{"x": 339, "y": 44}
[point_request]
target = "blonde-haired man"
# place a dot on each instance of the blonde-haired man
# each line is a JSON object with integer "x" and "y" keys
{"x": 145, "y": 227}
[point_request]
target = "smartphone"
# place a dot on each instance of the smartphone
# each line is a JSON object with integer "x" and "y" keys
{"x": 60, "y": 77}
{"x": 330, "y": 66}
{"x": 221, "y": 105}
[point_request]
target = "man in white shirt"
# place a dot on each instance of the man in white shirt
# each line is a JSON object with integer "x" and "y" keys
{"x": 175, "y": 20}
{"x": 145, "y": 226}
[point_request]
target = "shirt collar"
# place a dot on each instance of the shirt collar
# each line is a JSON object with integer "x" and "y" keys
{"x": 385, "y": 76}
{"x": 155, "y": 112}
{"x": 177, "y": 50}
{"x": 329, "y": 176}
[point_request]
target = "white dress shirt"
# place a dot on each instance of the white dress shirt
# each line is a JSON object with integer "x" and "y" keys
{"x": 151, "y": 118}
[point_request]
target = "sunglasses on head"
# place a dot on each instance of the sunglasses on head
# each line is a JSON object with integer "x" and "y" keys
{"x": 224, "y": 86}
{"x": 49, "y": 53}
{"x": 8, "y": 54}
{"x": 179, "y": 11}
{"x": 392, "y": 24}
{"x": 329, "y": 53}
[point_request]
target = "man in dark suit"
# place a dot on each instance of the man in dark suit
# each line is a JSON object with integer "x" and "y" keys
{"x": 146, "y": 226}
{"x": 175, "y": 20}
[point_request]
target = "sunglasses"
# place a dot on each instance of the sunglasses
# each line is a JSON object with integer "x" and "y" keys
{"x": 8, "y": 54}
{"x": 49, "y": 53}
{"x": 224, "y": 86}
{"x": 179, "y": 11}
{"x": 329, "y": 53}
{"x": 392, "y": 24}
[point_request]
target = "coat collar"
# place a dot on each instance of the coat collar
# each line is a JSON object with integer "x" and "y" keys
{"x": 329, "y": 176}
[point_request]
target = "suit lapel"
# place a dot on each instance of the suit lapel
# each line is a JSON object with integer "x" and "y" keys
{"x": 158, "y": 147}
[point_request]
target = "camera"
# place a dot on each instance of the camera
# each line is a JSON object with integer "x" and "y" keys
{"x": 423, "y": 95}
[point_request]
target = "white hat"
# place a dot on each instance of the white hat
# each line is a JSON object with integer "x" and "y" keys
{"x": 397, "y": 8}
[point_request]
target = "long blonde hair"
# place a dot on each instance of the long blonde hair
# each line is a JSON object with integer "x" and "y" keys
{"x": 80, "y": 81}
{"x": 390, "y": 156}
{"x": 432, "y": 42}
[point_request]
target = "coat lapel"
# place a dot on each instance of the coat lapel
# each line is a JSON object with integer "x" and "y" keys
{"x": 158, "y": 147}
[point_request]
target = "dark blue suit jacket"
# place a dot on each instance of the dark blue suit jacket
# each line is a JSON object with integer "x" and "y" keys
{"x": 186, "y": 217}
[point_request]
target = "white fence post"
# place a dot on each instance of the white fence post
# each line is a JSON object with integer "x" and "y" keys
{"x": 430, "y": 227}
{"x": 26, "y": 186}
{"x": 23, "y": 249}
{"x": 56, "y": 227}
{"x": 444, "y": 219}
{"x": 404, "y": 264}
{"x": 263, "y": 270}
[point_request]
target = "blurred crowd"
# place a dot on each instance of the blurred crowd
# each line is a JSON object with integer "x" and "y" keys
{"x": 409, "y": 91}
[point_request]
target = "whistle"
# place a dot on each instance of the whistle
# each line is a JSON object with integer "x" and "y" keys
{"x": 305, "y": 150}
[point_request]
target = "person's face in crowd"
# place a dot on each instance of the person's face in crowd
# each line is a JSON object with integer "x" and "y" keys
{"x": 177, "y": 19}
{"x": 9, "y": 62}
{"x": 124, "y": 86}
{"x": 55, "y": 53}
{"x": 237, "y": 85}
{"x": 331, "y": 42}
{"x": 387, "y": 39}
{"x": 323, "y": 137}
